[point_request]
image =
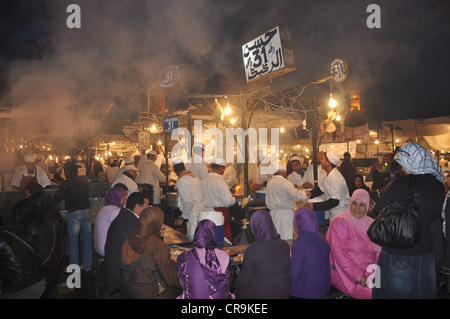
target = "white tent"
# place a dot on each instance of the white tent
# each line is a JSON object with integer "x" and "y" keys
{"x": 435, "y": 132}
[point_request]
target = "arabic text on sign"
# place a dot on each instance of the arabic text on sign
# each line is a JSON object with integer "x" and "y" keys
{"x": 263, "y": 55}
{"x": 170, "y": 124}
{"x": 339, "y": 70}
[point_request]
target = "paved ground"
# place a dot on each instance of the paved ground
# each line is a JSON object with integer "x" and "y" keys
{"x": 88, "y": 286}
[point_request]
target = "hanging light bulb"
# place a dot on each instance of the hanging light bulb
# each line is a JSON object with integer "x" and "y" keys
{"x": 153, "y": 128}
{"x": 338, "y": 117}
{"x": 332, "y": 103}
{"x": 282, "y": 130}
{"x": 228, "y": 109}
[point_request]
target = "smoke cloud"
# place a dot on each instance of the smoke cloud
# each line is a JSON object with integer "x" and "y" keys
{"x": 69, "y": 77}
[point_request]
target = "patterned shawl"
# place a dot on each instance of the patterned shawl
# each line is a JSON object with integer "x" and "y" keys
{"x": 417, "y": 160}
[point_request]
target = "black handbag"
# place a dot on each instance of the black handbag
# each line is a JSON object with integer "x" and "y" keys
{"x": 397, "y": 225}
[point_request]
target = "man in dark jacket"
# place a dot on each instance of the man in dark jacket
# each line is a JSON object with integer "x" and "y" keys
{"x": 120, "y": 228}
{"x": 75, "y": 192}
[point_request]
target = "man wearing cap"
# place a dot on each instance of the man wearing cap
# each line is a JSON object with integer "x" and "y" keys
{"x": 191, "y": 197}
{"x": 217, "y": 195}
{"x": 297, "y": 177}
{"x": 334, "y": 187}
{"x": 29, "y": 173}
{"x": 129, "y": 160}
{"x": 151, "y": 174}
{"x": 128, "y": 179}
{"x": 280, "y": 197}
{"x": 197, "y": 164}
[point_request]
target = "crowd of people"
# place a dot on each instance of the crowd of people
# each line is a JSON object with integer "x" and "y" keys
{"x": 290, "y": 256}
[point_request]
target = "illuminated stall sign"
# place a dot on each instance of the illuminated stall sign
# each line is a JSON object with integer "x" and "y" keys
{"x": 170, "y": 124}
{"x": 269, "y": 55}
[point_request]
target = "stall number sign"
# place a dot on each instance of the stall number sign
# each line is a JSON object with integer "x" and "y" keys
{"x": 263, "y": 55}
{"x": 170, "y": 124}
{"x": 339, "y": 70}
{"x": 169, "y": 76}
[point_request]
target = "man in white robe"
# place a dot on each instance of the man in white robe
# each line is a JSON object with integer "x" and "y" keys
{"x": 151, "y": 174}
{"x": 280, "y": 197}
{"x": 334, "y": 188}
{"x": 217, "y": 195}
{"x": 191, "y": 197}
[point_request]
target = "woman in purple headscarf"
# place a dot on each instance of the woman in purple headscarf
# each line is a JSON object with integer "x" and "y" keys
{"x": 264, "y": 272}
{"x": 114, "y": 201}
{"x": 352, "y": 252}
{"x": 310, "y": 260}
{"x": 204, "y": 271}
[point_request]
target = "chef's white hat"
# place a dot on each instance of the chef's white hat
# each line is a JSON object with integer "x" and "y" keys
{"x": 219, "y": 161}
{"x": 295, "y": 158}
{"x": 129, "y": 160}
{"x": 333, "y": 157}
{"x": 177, "y": 161}
{"x": 29, "y": 158}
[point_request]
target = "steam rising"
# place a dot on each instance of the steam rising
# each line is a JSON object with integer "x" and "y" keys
{"x": 123, "y": 45}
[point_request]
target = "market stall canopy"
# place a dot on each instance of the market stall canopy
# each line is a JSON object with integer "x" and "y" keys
{"x": 434, "y": 131}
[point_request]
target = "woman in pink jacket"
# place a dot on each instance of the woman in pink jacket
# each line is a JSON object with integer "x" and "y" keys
{"x": 352, "y": 252}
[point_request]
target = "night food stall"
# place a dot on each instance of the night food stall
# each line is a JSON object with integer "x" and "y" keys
{"x": 58, "y": 151}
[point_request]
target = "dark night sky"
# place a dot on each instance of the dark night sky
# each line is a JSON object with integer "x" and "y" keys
{"x": 401, "y": 69}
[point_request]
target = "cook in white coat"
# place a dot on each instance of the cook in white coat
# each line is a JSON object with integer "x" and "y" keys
{"x": 129, "y": 160}
{"x": 334, "y": 187}
{"x": 128, "y": 179}
{"x": 151, "y": 174}
{"x": 29, "y": 173}
{"x": 297, "y": 177}
{"x": 217, "y": 195}
{"x": 197, "y": 164}
{"x": 280, "y": 197}
{"x": 191, "y": 197}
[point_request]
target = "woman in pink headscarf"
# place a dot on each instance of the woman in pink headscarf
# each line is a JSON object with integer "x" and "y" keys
{"x": 351, "y": 249}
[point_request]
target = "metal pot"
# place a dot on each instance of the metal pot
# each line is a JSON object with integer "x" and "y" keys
{"x": 173, "y": 200}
